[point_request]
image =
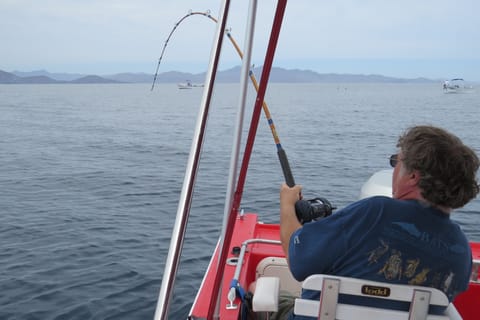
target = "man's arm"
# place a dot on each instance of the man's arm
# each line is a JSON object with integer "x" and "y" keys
{"x": 288, "y": 220}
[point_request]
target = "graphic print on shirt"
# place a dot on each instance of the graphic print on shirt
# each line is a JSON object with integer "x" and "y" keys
{"x": 376, "y": 254}
{"x": 411, "y": 268}
{"x": 393, "y": 265}
{"x": 420, "y": 278}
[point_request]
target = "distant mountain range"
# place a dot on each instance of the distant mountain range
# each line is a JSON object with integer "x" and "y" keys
{"x": 230, "y": 76}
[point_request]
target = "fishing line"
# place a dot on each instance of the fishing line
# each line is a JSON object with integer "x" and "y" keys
{"x": 282, "y": 156}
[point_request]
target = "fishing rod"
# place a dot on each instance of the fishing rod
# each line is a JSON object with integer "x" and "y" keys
{"x": 189, "y": 14}
{"x": 306, "y": 210}
{"x": 282, "y": 155}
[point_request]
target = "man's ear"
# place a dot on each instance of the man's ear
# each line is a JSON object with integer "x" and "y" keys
{"x": 414, "y": 177}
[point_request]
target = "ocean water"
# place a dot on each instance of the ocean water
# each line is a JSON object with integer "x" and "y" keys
{"x": 90, "y": 177}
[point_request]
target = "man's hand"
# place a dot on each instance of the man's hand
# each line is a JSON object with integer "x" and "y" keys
{"x": 288, "y": 219}
{"x": 288, "y": 196}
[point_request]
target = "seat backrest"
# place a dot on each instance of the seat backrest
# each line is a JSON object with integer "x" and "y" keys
{"x": 327, "y": 307}
{"x": 278, "y": 267}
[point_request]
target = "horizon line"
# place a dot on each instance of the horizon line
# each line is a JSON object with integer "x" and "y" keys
{"x": 228, "y": 69}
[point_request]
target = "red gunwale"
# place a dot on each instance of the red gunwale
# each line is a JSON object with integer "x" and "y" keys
{"x": 245, "y": 228}
{"x": 248, "y": 227}
{"x": 467, "y": 302}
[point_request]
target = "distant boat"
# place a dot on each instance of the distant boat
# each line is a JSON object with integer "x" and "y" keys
{"x": 456, "y": 85}
{"x": 188, "y": 85}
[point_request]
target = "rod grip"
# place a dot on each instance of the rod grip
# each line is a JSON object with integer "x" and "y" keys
{"x": 287, "y": 172}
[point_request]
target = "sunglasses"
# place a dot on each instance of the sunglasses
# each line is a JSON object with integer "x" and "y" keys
{"x": 394, "y": 160}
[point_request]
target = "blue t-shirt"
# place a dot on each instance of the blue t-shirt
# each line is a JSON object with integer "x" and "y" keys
{"x": 387, "y": 240}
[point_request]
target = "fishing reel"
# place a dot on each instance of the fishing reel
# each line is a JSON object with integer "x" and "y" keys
{"x": 313, "y": 209}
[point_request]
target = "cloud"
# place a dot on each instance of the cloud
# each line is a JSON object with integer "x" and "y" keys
{"x": 114, "y": 34}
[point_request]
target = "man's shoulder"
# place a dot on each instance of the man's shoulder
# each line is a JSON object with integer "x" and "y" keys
{"x": 379, "y": 199}
{"x": 373, "y": 201}
{"x": 367, "y": 207}
{"x": 373, "y": 207}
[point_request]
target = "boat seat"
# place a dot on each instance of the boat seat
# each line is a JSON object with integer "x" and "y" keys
{"x": 328, "y": 308}
{"x": 266, "y": 295}
{"x": 278, "y": 267}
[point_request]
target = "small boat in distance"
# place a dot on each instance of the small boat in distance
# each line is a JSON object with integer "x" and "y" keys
{"x": 456, "y": 85}
{"x": 188, "y": 85}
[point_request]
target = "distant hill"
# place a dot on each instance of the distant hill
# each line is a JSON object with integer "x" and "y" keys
{"x": 131, "y": 77}
{"x": 36, "y": 79}
{"x": 287, "y": 76}
{"x": 43, "y": 77}
{"x": 176, "y": 76}
{"x": 7, "y": 77}
{"x": 229, "y": 76}
{"x": 55, "y": 76}
{"x": 93, "y": 79}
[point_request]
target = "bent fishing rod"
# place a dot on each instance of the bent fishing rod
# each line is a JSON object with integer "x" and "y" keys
{"x": 282, "y": 155}
{"x": 305, "y": 210}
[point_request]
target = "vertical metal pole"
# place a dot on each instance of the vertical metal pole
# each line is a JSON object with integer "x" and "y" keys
{"x": 277, "y": 23}
{"x": 232, "y": 178}
{"x": 183, "y": 211}
{"x": 244, "y": 75}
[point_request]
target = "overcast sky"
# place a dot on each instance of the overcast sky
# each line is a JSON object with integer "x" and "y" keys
{"x": 409, "y": 38}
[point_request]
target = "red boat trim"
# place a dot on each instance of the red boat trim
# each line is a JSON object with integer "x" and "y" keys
{"x": 205, "y": 285}
{"x": 466, "y": 303}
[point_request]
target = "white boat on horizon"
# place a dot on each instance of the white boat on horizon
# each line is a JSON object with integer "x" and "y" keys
{"x": 457, "y": 85}
{"x": 188, "y": 85}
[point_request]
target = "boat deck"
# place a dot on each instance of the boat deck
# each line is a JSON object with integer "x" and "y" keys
{"x": 247, "y": 229}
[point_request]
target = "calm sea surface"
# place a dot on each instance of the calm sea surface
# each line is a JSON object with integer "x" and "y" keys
{"x": 90, "y": 177}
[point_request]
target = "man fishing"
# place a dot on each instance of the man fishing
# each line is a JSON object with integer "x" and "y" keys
{"x": 406, "y": 239}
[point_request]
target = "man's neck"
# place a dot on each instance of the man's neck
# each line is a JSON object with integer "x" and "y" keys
{"x": 416, "y": 195}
